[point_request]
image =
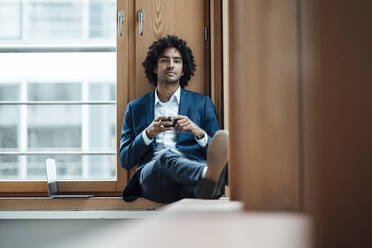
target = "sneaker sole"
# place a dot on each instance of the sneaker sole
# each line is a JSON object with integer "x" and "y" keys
{"x": 217, "y": 155}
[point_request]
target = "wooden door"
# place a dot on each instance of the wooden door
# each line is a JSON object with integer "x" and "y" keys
{"x": 183, "y": 18}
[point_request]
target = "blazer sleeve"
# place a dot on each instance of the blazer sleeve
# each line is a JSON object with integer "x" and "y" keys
{"x": 211, "y": 125}
{"x": 132, "y": 146}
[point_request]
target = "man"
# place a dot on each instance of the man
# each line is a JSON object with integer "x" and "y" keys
{"x": 168, "y": 132}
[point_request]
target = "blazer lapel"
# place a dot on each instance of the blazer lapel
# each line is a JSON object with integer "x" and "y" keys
{"x": 149, "y": 106}
{"x": 150, "y": 114}
{"x": 184, "y": 103}
{"x": 183, "y": 108}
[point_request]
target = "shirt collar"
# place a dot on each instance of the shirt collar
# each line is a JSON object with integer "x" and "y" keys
{"x": 175, "y": 97}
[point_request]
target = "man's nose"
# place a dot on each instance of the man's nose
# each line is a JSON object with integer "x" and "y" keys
{"x": 171, "y": 64}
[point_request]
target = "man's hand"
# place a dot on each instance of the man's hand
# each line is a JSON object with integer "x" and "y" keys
{"x": 185, "y": 124}
{"x": 157, "y": 126}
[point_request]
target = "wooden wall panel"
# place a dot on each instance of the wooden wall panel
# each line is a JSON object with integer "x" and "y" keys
{"x": 216, "y": 62}
{"x": 185, "y": 19}
{"x": 264, "y": 103}
{"x": 122, "y": 43}
{"x": 225, "y": 62}
{"x": 236, "y": 96}
{"x": 338, "y": 87}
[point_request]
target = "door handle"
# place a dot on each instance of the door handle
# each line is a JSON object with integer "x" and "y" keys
{"x": 121, "y": 18}
{"x": 140, "y": 17}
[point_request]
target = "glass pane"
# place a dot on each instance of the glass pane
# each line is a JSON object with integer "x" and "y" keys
{"x": 102, "y": 91}
{"x": 54, "y": 20}
{"x": 10, "y": 19}
{"x": 102, "y": 19}
{"x": 58, "y": 76}
{"x": 58, "y": 128}
{"x": 57, "y": 22}
{"x": 61, "y": 127}
{"x": 9, "y": 167}
{"x": 9, "y": 91}
{"x": 10, "y": 117}
{"x": 69, "y": 167}
{"x": 9, "y": 138}
{"x": 54, "y": 91}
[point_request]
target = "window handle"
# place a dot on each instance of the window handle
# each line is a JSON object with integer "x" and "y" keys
{"x": 121, "y": 18}
{"x": 140, "y": 17}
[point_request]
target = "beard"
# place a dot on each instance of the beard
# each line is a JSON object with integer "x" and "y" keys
{"x": 167, "y": 80}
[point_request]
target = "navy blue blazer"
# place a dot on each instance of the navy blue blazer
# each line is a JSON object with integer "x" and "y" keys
{"x": 139, "y": 115}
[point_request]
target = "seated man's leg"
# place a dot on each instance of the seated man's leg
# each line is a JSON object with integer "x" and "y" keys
{"x": 210, "y": 186}
{"x": 181, "y": 169}
{"x": 156, "y": 186}
{"x": 170, "y": 177}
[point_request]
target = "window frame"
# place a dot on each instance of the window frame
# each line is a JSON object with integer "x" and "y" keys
{"x": 124, "y": 53}
{"x": 36, "y": 188}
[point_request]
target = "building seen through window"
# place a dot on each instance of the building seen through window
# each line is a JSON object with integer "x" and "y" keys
{"x": 58, "y": 88}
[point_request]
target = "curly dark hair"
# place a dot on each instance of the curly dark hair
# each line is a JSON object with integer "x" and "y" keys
{"x": 156, "y": 50}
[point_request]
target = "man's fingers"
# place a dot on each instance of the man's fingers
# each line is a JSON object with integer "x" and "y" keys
{"x": 181, "y": 120}
{"x": 179, "y": 117}
{"x": 182, "y": 123}
{"x": 162, "y": 118}
{"x": 163, "y": 129}
{"x": 157, "y": 124}
{"x": 166, "y": 123}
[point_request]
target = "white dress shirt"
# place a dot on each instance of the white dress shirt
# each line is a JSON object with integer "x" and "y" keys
{"x": 167, "y": 139}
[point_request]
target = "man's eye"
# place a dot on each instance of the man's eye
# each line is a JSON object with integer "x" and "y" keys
{"x": 164, "y": 60}
{"x": 177, "y": 61}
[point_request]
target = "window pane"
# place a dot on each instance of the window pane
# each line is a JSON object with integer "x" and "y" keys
{"x": 53, "y": 76}
{"x": 102, "y": 91}
{"x": 69, "y": 167}
{"x": 58, "y": 129}
{"x": 54, "y": 92}
{"x": 102, "y": 19}
{"x": 9, "y": 138}
{"x": 9, "y": 116}
{"x": 71, "y": 126}
{"x": 54, "y": 20}
{"x": 57, "y": 22}
{"x": 10, "y": 19}
{"x": 9, "y": 91}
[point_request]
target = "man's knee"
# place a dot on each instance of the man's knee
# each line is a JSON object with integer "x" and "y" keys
{"x": 164, "y": 159}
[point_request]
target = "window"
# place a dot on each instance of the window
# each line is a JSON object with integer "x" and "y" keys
{"x": 58, "y": 89}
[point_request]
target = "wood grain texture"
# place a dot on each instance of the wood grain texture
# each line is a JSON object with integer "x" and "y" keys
{"x": 63, "y": 186}
{"x": 264, "y": 104}
{"x": 236, "y": 42}
{"x": 122, "y": 52}
{"x": 338, "y": 103}
{"x": 97, "y": 203}
{"x": 184, "y": 19}
{"x": 225, "y": 63}
{"x": 216, "y": 63}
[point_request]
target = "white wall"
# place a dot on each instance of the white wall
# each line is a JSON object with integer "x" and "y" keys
{"x": 61, "y": 233}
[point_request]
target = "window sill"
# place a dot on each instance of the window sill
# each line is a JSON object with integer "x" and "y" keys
{"x": 96, "y": 203}
{"x": 77, "y": 215}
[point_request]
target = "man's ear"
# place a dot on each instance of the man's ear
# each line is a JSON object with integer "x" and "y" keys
{"x": 156, "y": 70}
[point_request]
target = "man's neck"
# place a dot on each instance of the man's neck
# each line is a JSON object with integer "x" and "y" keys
{"x": 165, "y": 91}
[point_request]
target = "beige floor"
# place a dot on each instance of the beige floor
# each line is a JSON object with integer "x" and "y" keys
{"x": 219, "y": 223}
